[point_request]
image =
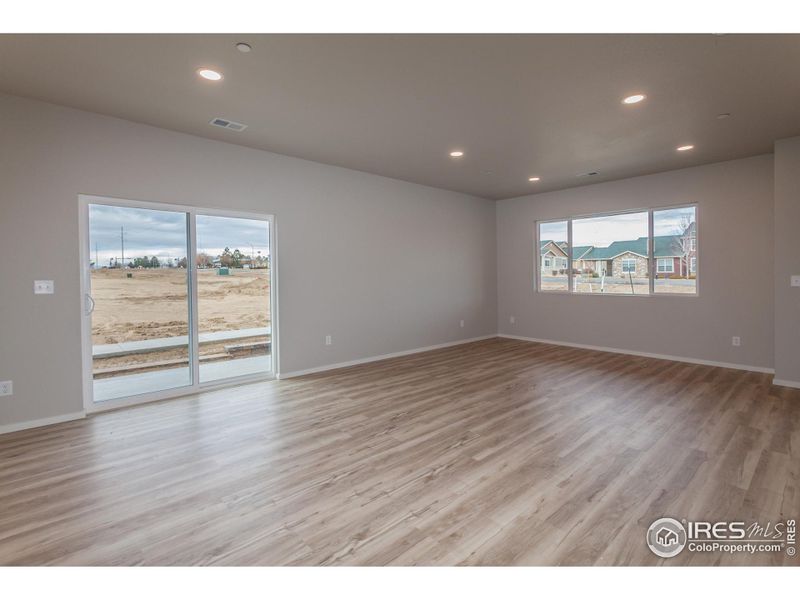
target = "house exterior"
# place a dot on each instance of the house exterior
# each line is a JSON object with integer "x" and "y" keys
{"x": 554, "y": 258}
{"x": 675, "y": 256}
{"x": 580, "y": 262}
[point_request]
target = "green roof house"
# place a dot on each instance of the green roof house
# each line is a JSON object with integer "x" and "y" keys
{"x": 674, "y": 256}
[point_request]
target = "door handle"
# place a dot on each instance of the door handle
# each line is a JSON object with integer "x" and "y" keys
{"x": 89, "y": 308}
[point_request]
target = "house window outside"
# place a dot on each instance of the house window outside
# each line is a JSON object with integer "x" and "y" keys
{"x": 553, "y": 250}
{"x": 608, "y": 250}
{"x": 675, "y": 244}
{"x": 665, "y": 265}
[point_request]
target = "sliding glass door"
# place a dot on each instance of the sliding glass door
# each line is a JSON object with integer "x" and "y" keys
{"x": 175, "y": 298}
{"x": 233, "y": 281}
{"x": 139, "y": 290}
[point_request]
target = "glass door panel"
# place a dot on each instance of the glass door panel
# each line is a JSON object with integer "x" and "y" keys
{"x": 140, "y": 292}
{"x": 233, "y": 297}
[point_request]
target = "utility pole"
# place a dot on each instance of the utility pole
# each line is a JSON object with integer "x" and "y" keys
{"x": 122, "y": 244}
{"x": 96, "y": 257}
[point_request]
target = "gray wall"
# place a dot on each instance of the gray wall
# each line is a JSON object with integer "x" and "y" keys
{"x": 382, "y": 265}
{"x": 787, "y": 260}
{"x": 735, "y": 267}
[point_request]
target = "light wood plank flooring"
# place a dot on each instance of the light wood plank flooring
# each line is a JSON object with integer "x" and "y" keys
{"x": 498, "y": 452}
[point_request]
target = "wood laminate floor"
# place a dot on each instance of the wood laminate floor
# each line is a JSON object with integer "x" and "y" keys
{"x": 497, "y": 452}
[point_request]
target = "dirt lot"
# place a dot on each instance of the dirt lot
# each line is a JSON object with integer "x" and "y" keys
{"x": 152, "y": 303}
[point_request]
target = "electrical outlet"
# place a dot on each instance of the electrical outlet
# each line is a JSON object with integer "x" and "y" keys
{"x": 461, "y": 323}
{"x": 43, "y": 286}
{"x": 328, "y": 340}
{"x": 794, "y": 281}
{"x": 6, "y": 388}
{"x": 512, "y": 319}
{"x": 736, "y": 340}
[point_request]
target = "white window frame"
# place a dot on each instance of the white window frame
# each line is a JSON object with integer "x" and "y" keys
{"x": 670, "y": 262}
{"x": 651, "y": 259}
{"x": 90, "y": 406}
{"x": 539, "y": 258}
{"x": 628, "y": 261}
{"x": 692, "y": 264}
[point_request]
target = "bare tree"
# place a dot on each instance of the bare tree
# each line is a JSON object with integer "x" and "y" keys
{"x": 682, "y": 241}
{"x": 204, "y": 261}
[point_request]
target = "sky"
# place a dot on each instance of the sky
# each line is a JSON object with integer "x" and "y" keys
{"x": 163, "y": 234}
{"x": 602, "y": 231}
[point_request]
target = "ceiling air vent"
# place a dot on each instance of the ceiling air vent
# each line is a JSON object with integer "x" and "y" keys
{"x": 226, "y": 124}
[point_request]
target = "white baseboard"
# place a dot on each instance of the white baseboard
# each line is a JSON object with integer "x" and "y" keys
{"x": 359, "y": 361}
{"x": 696, "y": 361}
{"x": 369, "y": 359}
{"x": 41, "y": 422}
{"x": 786, "y": 383}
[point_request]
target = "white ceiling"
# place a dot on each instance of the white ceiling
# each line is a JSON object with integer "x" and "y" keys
{"x": 395, "y": 105}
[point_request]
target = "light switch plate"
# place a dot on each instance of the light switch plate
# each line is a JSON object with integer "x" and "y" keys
{"x": 795, "y": 280}
{"x": 6, "y": 388}
{"x": 44, "y": 286}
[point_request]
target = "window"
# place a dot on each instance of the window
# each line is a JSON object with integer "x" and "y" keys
{"x": 665, "y": 265}
{"x": 553, "y": 256}
{"x": 635, "y": 253}
{"x": 609, "y": 246}
{"x": 179, "y": 297}
{"x": 674, "y": 247}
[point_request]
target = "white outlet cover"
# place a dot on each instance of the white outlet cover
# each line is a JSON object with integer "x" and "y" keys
{"x": 794, "y": 281}
{"x": 43, "y": 286}
{"x": 6, "y": 388}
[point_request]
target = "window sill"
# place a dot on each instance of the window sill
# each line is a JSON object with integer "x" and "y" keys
{"x": 581, "y": 294}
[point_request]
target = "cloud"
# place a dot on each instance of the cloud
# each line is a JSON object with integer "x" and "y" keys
{"x": 164, "y": 234}
{"x": 602, "y": 231}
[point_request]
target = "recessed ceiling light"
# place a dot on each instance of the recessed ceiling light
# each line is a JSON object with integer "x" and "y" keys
{"x": 685, "y": 148}
{"x": 636, "y": 98}
{"x": 534, "y": 178}
{"x": 457, "y": 153}
{"x": 209, "y": 74}
{"x": 242, "y": 47}
{"x": 723, "y": 115}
